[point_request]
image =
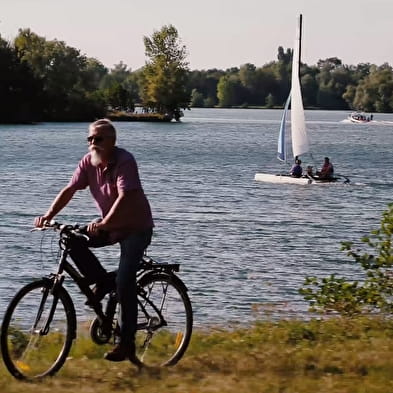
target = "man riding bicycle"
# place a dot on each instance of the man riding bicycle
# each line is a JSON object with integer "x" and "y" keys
{"x": 111, "y": 173}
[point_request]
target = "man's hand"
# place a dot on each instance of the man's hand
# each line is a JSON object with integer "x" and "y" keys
{"x": 40, "y": 221}
{"x": 63, "y": 197}
{"x": 94, "y": 227}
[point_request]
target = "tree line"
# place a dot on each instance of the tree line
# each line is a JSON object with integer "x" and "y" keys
{"x": 47, "y": 80}
{"x": 329, "y": 84}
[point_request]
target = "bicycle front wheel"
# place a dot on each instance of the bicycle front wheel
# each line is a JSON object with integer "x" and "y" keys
{"x": 164, "y": 330}
{"x": 37, "y": 330}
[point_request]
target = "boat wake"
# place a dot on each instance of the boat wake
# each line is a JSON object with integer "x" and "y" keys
{"x": 373, "y": 122}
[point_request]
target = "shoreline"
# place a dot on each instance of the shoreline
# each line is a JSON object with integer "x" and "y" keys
{"x": 342, "y": 355}
{"x": 153, "y": 117}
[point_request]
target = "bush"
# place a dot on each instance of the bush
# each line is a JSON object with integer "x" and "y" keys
{"x": 374, "y": 293}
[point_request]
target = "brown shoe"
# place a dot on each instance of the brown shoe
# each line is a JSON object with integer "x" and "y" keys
{"x": 123, "y": 352}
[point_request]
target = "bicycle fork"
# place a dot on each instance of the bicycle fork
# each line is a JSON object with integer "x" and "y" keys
{"x": 57, "y": 282}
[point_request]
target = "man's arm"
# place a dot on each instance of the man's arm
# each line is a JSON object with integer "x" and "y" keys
{"x": 119, "y": 215}
{"x": 62, "y": 199}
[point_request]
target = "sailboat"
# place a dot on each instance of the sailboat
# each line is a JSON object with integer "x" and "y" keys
{"x": 300, "y": 143}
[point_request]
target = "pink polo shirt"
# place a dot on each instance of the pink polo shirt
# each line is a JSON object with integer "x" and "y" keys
{"x": 121, "y": 174}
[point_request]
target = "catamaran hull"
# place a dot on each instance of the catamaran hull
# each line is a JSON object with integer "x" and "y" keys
{"x": 268, "y": 178}
{"x": 287, "y": 179}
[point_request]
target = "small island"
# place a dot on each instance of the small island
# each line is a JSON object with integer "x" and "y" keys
{"x": 59, "y": 84}
{"x": 118, "y": 115}
{"x": 127, "y": 116}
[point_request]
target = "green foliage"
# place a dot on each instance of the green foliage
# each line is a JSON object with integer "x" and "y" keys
{"x": 284, "y": 57}
{"x": 20, "y": 89}
{"x": 205, "y": 82}
{"x": 68, "y": 78}
{"x": 309, "y": 88}
{"x": 375, "y": 292}
{"x": 333, "y": 79}
{"x": 164, "y": 87}
{"x": 119, "y": 98}
{"x": 118, "y": 76}
{"x": 374, "y": 93}
{"x": 47, "y": 80}
{"x": 229, "y": 91}
{"x": 270, "y": 101}
{"x": 209, "y": 102}
{"x": 197, "y": 99}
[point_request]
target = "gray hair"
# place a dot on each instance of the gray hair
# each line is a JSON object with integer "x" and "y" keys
{"x": 104, "y": 124}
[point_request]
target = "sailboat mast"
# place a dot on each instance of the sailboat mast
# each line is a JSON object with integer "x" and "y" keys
{"x": 298, "y": 123}
{"x": 300, "y": 39}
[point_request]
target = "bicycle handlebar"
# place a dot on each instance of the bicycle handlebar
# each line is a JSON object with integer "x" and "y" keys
{"x": 66, "y": 229}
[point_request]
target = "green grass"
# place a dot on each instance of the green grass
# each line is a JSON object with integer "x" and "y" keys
{"x": 333, "y": 356}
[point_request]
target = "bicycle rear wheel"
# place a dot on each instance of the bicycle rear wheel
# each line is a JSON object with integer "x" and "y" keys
{"x": 163, "y": 345}
{"x": 31, "y": 346}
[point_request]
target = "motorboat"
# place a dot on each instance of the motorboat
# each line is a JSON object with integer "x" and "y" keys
{"x": 360, "y": 117}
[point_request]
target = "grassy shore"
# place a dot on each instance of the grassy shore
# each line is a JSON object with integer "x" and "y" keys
{"x": 333, "y": 356}
{"x": 152, "y": 117}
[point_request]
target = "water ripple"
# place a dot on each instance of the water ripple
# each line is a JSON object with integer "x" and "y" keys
{"x": 245, "y": 247}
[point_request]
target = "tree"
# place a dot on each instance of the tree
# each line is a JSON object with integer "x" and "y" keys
{"x": 20, "y": 90}
{"x": 206, "y": 83}
{"x": 229, "y": 91}
{"x": 64, "y": 73}
{"x": 119, "y": 98}
{"x": 282, "y": 70}
{"x": 329, "y": 64}
{"x": 197, "y": 99}
{"x": 92, "y": 74}
{"x": 270, "y": 101}
{"x": 209, "y": 102}
{"x": 309, "y": 89}
{"x": 248, "y": 76}
{"x": 267, "y": 84}
{"x": 121, "y": 87}
{"x": 284, "y": 57}
{"x": 375, "y": 91}
{"x": 164, "y": 77}
{"x": 333, "y": 79}
{"x": 117, "y": 75}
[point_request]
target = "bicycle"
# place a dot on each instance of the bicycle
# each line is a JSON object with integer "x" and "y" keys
{"x": 40, "y": 323}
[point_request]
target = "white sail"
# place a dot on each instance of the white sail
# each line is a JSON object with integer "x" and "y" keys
{"x": 298, "y": 124}
{"x": 282, "y": 145}
{"x": 300, "y": 143}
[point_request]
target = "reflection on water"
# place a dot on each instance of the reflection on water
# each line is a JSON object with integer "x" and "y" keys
{"x": 245, "y": 247}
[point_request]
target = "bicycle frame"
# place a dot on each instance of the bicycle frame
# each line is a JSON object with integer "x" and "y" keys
{"x": 58, "y": 278}
{"x": 64, "y": 266}
{"x": 147, "y": 266}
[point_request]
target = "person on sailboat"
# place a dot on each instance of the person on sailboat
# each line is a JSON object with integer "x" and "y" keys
{"x": 296, "y": 170}
{"x": 327, "y": 169}
{"x": 309, "y": 171}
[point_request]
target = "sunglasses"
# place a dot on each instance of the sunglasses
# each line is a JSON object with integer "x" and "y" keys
{"x": 95, "y": 139}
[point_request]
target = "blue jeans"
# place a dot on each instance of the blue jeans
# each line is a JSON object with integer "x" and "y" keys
{"x": 132, "y": 249}
{"x": 131, "y": 252}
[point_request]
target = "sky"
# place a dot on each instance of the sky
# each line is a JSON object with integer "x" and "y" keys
{"x": 217, "y": 34}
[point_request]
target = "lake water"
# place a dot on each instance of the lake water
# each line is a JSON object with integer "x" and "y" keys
{"x": 244, "y": 247}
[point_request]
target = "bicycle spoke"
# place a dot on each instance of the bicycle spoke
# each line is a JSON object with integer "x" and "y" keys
{"x": 167, "y": 324}
{"x": 34, "y": 343}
